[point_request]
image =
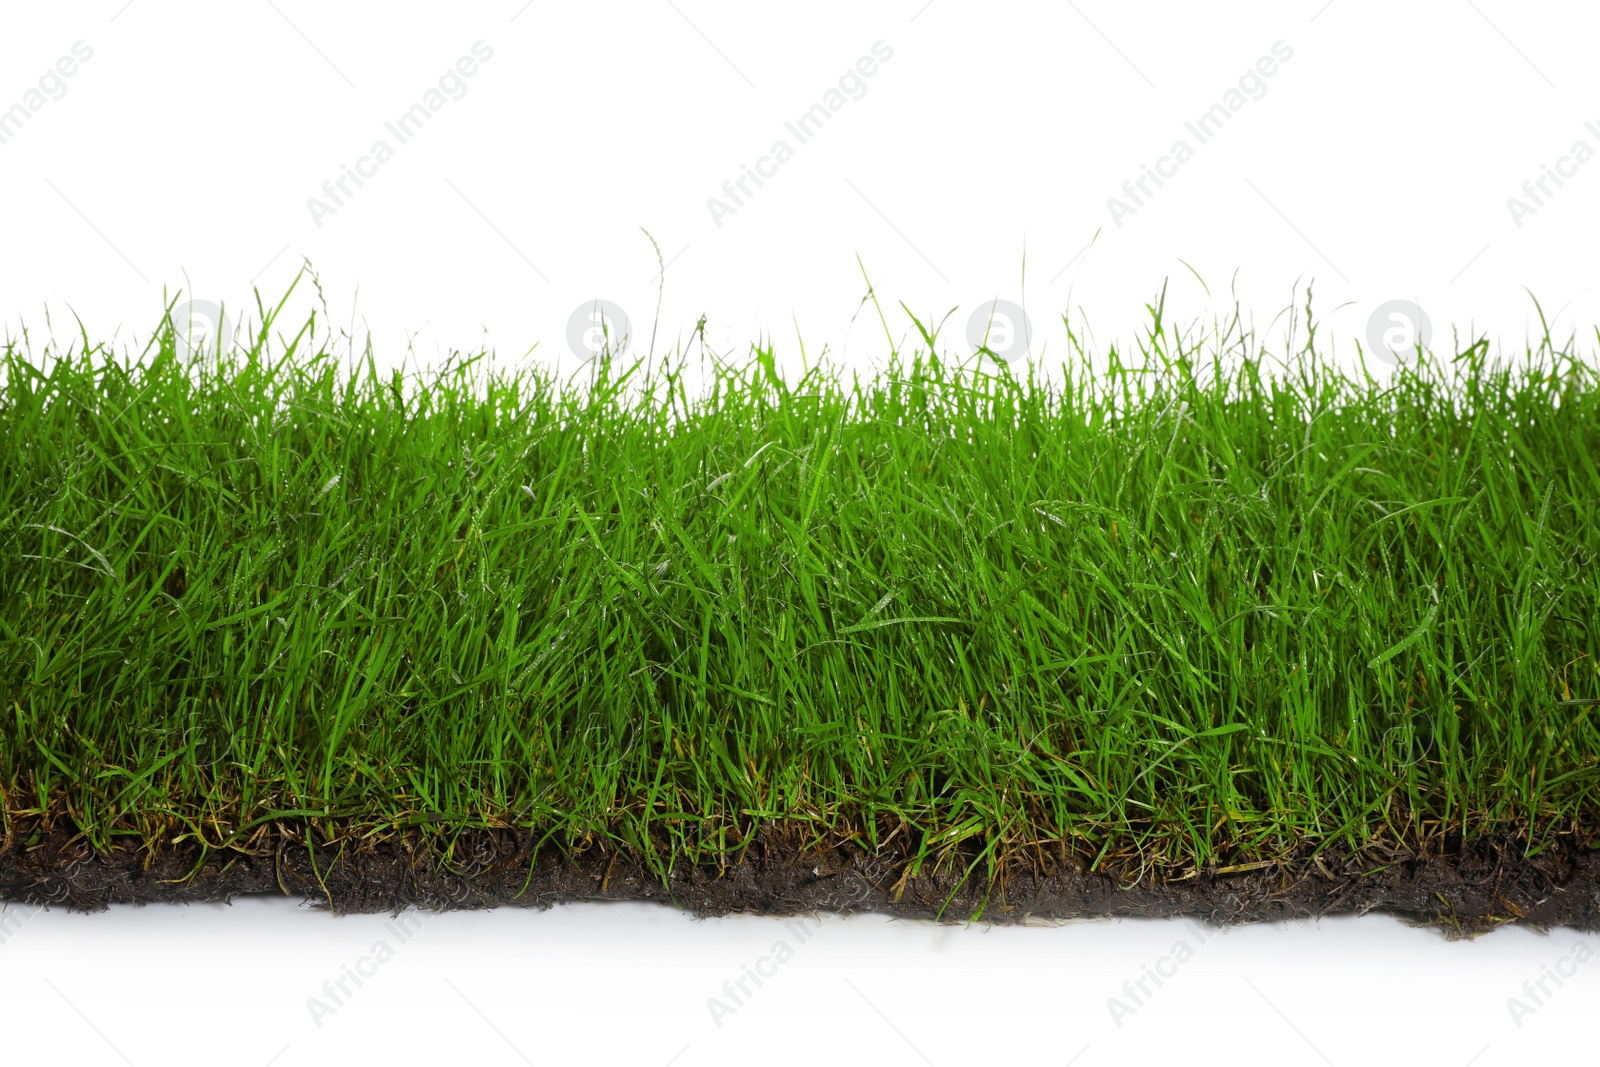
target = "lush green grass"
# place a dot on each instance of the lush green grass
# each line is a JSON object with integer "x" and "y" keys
{"x": 1183, "y": 605}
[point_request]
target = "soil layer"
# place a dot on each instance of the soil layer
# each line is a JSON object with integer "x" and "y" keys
{"x": 1464, "y": 888}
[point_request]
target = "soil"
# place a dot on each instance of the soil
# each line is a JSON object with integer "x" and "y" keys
{"x": 1464, "y": 888}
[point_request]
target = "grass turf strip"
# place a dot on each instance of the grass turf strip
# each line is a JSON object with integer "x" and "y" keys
{"x": 1186, "y": 608}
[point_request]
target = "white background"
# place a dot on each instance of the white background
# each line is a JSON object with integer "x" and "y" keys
{"x": 1377, "y": 165}
{"x": 630, "y": 984}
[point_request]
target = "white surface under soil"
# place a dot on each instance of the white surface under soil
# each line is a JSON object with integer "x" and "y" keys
{"x": 268, "y": 981}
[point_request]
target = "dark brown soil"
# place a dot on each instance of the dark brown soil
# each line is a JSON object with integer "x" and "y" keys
{"x": 1464, "y": 888}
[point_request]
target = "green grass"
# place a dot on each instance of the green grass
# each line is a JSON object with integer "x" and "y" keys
{"x": 1198, "y": 605}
